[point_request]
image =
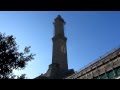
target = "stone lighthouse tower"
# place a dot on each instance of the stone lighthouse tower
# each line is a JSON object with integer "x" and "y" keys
{"x": 59, "y": 67}
{"x": 59, "y": 55}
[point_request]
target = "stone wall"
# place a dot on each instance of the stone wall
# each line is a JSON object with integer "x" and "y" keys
{"x": 100, "y": 67}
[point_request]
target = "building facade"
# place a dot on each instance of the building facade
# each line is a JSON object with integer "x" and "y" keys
{"x": 106, "y": 67}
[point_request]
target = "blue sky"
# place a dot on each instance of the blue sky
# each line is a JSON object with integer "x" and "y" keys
{"x": 90, "y": 34}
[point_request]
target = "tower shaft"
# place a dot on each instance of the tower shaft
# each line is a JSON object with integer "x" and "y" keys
{"x": 59, "y": 67}
{"x": 59, "y": 55}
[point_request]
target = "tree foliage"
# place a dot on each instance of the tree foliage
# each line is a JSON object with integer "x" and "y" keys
{"x": 10, "y": 58}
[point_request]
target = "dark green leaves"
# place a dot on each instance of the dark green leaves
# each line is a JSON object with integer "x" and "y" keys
{"x": 10, "y": 58}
